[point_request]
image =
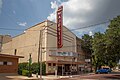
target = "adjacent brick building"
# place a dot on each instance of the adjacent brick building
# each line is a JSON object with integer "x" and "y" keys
{"x": 9, "y": 63}
{"x": 4, "y": 39}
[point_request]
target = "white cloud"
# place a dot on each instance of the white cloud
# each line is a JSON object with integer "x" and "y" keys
{"x": 73, "y": 11}
{"x": 80, "y": 13}
{"x": 52, "y": 16}
{"x": 1, "y": 3}
{"x": 22, "y": 23}
{"x": 54, "y": 5}
{"x": 59, "y": 1}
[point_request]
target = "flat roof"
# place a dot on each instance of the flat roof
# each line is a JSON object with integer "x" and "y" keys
{"x": 11, "y": 56}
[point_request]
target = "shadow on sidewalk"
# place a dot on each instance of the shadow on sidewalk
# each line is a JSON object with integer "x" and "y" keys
{"x": 113, "y": 77}
{"x": 7, "y": 76}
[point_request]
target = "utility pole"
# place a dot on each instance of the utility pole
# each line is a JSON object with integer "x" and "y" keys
{"x": 1, "y": 43}
{"x": 39, "y": 54}
{"x": 40, "y": 50}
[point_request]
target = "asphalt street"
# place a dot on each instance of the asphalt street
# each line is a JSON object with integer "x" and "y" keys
{"x": 110, "y": 76}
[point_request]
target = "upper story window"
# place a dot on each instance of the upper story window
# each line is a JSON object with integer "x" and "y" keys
{"x": 15, "y": 52}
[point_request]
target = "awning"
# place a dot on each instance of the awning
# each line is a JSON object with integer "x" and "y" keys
{"x": 65, "y": 62}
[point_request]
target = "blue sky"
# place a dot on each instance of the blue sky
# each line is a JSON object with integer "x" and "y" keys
{"x": 21, "y": 14}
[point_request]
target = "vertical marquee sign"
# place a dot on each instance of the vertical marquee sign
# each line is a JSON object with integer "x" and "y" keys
{"x": 59, "y": 27}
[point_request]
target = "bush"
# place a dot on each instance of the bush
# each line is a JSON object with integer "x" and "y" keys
{"x": 22, "y": 66}
{"x": 20, "y": 71}
{"x": 35, "y": 68}
{"x": 25, "y": 72}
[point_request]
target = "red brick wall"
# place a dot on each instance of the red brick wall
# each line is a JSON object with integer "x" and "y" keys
{"x": 9, "y": 68}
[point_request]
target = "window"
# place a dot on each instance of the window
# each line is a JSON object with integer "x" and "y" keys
{"x": 49, "y": 64}
{"x": 1, "y": 63}
{"x": 15, "y": 52}
{"x": 4, "y": 63}
{"x": 9, "y": 63}
{"x": 53, "y": 64}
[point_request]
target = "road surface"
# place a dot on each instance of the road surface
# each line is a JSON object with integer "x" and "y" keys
{"x": 110, "y": 76}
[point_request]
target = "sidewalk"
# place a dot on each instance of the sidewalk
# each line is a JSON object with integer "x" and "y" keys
{"x": 13, "y": 76}
{"x": 47, "y": 77}
{"x": 51, "y": 77}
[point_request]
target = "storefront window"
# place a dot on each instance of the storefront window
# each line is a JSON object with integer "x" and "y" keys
{"x": 53, "y": 64}
{"x": 49, "y": 64}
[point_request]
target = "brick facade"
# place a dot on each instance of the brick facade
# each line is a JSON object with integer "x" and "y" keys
{"x": 8, "y": 63}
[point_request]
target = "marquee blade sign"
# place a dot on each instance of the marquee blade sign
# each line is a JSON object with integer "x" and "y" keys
{"x": 59, "y": 27}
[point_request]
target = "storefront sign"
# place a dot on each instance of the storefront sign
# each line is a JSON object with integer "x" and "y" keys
{"x": 64, "y": 54}
{"x": 59, "y": 27}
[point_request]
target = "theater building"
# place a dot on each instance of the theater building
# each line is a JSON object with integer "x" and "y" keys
{"x": 41, "y": 40}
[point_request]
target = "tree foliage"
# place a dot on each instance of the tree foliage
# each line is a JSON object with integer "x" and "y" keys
{"x": 107, "y": 46}
{"x": 99, "y": 48}
{"x": 104, "y": 46}
{"x": 87, "y": 43}
{"x": 113, "y": 40}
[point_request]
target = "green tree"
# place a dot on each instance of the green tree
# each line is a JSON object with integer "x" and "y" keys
{"x": 99, "y": 50}
{"x": 87, "y": 44}
{"x": 113, "y": 40}
{"x": 106, "y": 47}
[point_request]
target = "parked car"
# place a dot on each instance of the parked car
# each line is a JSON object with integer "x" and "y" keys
{"x": 103, "y": 70}
{"x": 109, "y": 70}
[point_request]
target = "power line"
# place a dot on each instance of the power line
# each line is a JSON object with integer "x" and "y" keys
{"x": 12, "y": 29}
{"x": 94, "y": 25}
